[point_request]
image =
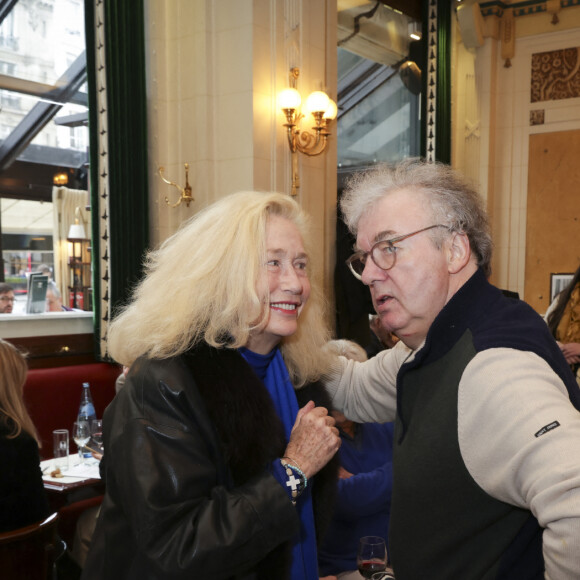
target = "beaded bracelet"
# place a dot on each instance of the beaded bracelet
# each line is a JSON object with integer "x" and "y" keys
{"x": 294, "y": 465}
{"x": 297, "y": 485}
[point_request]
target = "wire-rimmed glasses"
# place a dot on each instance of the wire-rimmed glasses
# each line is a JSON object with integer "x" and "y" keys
{"x": 383, "y": 253}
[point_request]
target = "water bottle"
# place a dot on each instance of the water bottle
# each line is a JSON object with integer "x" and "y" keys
{"x": 87, "y": 410}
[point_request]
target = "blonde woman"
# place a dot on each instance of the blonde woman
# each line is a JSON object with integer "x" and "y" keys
{"x": 22, "y": 497}
{"x": 563, "y": 319}
{"x": 218, "y": 446}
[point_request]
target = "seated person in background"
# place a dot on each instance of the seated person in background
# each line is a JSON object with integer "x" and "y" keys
{"x": 381, "y": 338}
{"x": 120, "y": 382}
{"x": 54, "y": 299}
{"x": 364, "y": 490}
{"x": 45, "y": 270}
{"x": 6, "y": 298}
{"x": 85, "y": 528}
{"x": 22, "y": 496}
{"x": 563, "y": 318}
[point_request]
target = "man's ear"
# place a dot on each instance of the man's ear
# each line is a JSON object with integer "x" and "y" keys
{"x": 458, "y": 252}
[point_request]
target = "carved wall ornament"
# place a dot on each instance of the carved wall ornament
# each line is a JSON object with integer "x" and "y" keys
{"x": 472, "y": 129}
{"x": 508, "y": 37}
{"x": 537, "y": 117}
{"x": 507, "y": 12}
{"x": 555, "y": 75}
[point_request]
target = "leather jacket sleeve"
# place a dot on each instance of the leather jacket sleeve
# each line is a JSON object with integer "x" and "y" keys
{"x": 169, "y": 491}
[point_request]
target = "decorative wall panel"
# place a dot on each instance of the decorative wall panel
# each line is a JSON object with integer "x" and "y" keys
{"x": 431, "y": 128}
{"x": 555, "y": 75}
{"x": 102, "y": 209}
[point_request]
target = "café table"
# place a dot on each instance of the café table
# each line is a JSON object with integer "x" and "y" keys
{"x": 79, "y": 482}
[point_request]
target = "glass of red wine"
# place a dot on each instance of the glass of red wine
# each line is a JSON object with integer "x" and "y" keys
{"x": 371, "y": 556}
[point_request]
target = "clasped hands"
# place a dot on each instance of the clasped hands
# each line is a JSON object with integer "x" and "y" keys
{"x": 571, "y": 351}
{"x": 314, "y": 439}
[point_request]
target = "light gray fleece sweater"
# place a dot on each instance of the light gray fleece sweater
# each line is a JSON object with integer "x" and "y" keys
{"x": 518, "y": 433}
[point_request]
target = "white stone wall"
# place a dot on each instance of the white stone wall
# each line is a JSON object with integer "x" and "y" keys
{"x": 214, "y": 71}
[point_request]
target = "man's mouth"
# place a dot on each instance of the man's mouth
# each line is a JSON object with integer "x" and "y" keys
{"x": 383, "y": 299}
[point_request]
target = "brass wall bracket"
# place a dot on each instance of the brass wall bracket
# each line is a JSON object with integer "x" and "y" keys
{"x": 186, "y": 193}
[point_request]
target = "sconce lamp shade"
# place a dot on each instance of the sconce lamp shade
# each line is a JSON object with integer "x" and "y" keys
{"x": 289, "y": 99}
{"x": 331, "y": 110}
{"x": 317, "y": 102}
{"x": 76, "y": 232}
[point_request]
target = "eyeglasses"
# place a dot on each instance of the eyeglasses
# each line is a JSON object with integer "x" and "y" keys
{"x": 383, "y": 253}
{"x": 6, "y": 299}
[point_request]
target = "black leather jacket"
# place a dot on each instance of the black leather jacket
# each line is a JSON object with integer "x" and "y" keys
{"x": 188, "y": 441}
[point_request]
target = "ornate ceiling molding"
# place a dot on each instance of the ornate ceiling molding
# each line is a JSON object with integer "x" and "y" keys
{"x": 499, "y": 19}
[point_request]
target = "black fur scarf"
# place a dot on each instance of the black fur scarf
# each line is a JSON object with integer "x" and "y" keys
{"x": 250, "y": 432}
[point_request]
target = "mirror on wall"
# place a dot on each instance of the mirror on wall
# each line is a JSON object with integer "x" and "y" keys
{"x": 43, "y": 136}
{"x": 379, "y": 84}
{"x": 379, "y": 120}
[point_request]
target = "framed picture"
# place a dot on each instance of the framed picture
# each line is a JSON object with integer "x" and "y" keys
{"x": 557, "y": 283}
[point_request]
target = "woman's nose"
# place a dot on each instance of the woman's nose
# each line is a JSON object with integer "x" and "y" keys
{"x": 290, "y": 280}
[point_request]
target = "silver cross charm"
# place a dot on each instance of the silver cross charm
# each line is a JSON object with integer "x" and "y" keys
{"x": 293, "y": 483}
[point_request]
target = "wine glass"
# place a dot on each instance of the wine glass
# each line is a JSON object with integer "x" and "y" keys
{"x": 97, "y": 434}
{"x": 371, "y": 556}
{"x": 81, "y": 436}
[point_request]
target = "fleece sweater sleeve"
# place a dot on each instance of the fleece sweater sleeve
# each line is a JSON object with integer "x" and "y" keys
{"x": 519, "y": 436}
{"x": 366, "y": 392}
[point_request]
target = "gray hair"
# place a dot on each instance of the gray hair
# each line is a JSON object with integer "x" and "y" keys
{"x": 453, "y": 201}
{"x": 347, "y": 348}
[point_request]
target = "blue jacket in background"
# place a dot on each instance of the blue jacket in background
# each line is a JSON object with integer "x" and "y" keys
{"x": 364, "y": 500}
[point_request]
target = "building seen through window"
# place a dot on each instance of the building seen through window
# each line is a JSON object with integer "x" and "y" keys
{"x": 43, "y": 140}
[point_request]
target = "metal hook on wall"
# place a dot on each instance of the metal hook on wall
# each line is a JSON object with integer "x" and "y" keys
{"x": 185, "y": 192}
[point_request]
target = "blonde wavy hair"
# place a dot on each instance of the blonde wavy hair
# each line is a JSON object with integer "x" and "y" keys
{"x": 200, "y": 285}
{"x": 13, "y": 412}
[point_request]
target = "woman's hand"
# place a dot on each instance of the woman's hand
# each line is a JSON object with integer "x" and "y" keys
{"x": 571, "y": 352}
{"x": 314, "y": 439}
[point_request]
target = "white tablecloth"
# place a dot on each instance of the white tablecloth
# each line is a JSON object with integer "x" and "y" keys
{"x": 76, "y": 472}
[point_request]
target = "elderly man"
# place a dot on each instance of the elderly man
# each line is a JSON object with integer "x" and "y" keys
{"x": 54, "y": 299}
{"x": 6, "y": 298}
{"x": 486, "y": 464}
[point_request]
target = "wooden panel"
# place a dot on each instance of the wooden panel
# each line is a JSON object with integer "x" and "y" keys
{"x": 553, "y": 213}
{"x": 57, "y": 351}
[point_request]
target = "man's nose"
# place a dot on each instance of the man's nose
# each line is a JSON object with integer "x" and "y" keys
{"x": 372, "y": 272}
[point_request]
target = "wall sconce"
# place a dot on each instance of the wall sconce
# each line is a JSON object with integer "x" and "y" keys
{"x": 186, "y": 192}
{"x": 76, "y": 231}
{"x": 321, "y": 107}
